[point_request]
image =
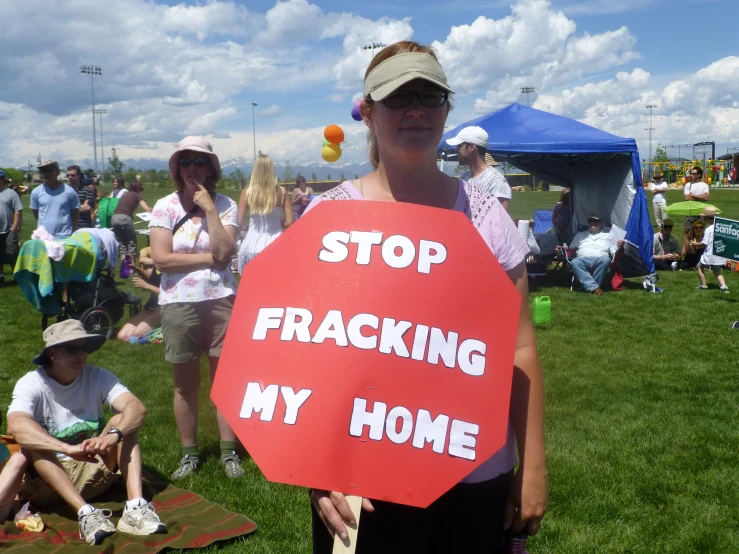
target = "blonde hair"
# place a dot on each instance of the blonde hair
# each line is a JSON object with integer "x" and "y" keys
{"x": 260, "y": 195}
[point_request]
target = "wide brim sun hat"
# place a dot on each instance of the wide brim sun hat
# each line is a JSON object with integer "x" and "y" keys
{"x": 67, "y": 331}
{"x": 194, "y": 144}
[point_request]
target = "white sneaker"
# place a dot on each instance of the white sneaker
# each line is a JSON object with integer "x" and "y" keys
{"x": 141, "y": 520}
{"x": 724, "y": 289}
{"x": 95, "y": 526}
{"x": 674, "y": 266}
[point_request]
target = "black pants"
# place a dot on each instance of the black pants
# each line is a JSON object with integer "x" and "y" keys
{"x": 468, "y": 519}
{"x": 662, "y": 265}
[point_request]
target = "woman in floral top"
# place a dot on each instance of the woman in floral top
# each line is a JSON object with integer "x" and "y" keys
{"x": 193, "y": 234}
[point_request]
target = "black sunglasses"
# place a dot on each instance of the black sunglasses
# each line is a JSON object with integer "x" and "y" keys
{"x": 73, "y": 349}
{"x": 47, "y": 169}
{"x": 199, "y": 162}
{"x": 594, "y": 221}
{"x": 428, "y": 98}
{"x": 695, "y": 173}
{"x": 667, "y": 226}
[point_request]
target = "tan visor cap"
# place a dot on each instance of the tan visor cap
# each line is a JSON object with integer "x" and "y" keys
{"x": 394, "y": 72}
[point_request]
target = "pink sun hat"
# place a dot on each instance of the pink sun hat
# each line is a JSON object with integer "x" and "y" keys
{"x": 195, "y": 144}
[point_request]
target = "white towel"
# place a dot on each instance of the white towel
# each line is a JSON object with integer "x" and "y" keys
{"x": 54, "y": 250}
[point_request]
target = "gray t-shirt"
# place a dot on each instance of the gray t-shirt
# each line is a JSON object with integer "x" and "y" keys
{"x": 70, "y": 413}
{"x": 10, "y": 203}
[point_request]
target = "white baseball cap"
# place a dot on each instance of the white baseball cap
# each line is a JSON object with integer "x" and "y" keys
{"x": 473, "y": 135}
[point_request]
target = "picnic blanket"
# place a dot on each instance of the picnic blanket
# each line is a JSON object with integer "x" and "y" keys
{"x": 192, "y": 522}
{"x": 37, "y": 275}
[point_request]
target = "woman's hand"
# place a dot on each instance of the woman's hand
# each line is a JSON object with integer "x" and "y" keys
{"x": 203, "y": 200}
{"x": 334, "y": 510}
{"x": 138, "y": 282}
{"x": 528, "y": 498}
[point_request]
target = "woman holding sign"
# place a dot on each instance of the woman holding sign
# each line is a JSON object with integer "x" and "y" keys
{"x": 193, "y": 238}
{"x": 405, "y": 108}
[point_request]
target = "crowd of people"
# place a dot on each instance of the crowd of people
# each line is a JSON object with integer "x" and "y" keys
{"x": 71, "y": 452}
{"x": 195, "y": 236}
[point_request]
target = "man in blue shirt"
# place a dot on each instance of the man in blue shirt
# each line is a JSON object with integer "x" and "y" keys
{"x": 55, "y": 205}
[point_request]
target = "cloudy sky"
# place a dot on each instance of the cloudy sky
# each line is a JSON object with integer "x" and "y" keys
{"x": 174, "y": 68}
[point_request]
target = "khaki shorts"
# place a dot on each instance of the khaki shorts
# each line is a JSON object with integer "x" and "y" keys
{"x": 91, "y": 479}
{"x": 190, "y": 329}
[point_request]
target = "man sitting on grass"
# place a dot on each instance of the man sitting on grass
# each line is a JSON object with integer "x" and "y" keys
{"x": 57, "y": 417}
{"x": 667, "y": 251}
{"x": 594, "y": 255}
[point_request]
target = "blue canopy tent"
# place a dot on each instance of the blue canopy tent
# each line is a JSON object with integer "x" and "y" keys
{"x": 602, "y": 170}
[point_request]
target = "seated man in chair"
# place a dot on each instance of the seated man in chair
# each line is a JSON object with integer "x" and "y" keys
{"x": 594, "y": 253}
{"x": 57, "y": 417}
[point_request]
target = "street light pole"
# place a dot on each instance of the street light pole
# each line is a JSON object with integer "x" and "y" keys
{"x": 527, "y": 91}
{"x": 254, "y": 130}
{"x": 93, "y": 70}
{"x": 102, "y": 147}
{"x": 650, "y": 106}
{"x": 372, "y": 45}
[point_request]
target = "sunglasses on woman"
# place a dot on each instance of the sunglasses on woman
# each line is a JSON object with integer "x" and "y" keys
{"x": 73, "y": 349}
{"x": 428, "y": 98}
{"x": 199, "y": 162}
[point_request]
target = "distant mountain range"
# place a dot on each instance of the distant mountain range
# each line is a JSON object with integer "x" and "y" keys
{"x": 321, "y": 169}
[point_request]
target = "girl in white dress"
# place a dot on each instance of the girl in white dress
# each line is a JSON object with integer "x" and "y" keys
{"x": 265, "y": 202}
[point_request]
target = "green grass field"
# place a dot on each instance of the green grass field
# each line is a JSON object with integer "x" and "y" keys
{"x": 642, "y": 426}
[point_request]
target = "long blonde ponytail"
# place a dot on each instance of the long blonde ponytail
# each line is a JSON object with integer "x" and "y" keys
{"x": 260, "y": 196}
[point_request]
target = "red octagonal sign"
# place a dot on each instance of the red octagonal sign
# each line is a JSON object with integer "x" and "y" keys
{"x": 370, "y": 351}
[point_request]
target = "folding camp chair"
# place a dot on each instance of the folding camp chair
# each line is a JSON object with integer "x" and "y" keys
{"x": 543, "y": 221}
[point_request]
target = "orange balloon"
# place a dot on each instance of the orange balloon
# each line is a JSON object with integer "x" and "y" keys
{"x": 334, "y": 134}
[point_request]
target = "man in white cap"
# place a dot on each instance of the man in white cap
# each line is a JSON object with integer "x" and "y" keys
{"x": 57, "y": 416}
{"x": 472, "y": 145}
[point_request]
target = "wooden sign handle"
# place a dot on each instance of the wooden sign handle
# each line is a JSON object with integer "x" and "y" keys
{"x": 349, "y": 545}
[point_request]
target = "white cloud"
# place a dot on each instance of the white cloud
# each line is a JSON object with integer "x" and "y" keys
{"x": 534, "y": 46}
{"x": 291, "y": 21}
{"x": 700, "y": 107}
{"x": 273, "y": 111}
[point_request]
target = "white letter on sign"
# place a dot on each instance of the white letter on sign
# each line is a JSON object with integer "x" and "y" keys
{"x": 361, "y": 417}
{"x": 425, "y": 259}
{"x": 267, "y": 318}
{"x": 471, "y": 357}
{"x": 391, "y": 337}
{"x": 442, "y": 346}
{"x": 407, "y": 251}
{"x": 365, "y": 240}
{"x": 354, "y": 331}
{"x": 406, "y": 428}
{"x": 461, "y": 441}
{"x": 335, "y": 247}
{"x": 332, "y": 327}
{"x": 258, "y": 400}
{"x": 300, "y": 327}
{"x": 433, "y": 431}
{"x": 293, "y": 402}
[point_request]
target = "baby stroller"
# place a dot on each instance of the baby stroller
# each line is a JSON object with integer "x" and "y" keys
{"x": 79, "y": 285}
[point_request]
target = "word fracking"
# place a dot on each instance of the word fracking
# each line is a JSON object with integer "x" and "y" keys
{"x": 429, "y": 343}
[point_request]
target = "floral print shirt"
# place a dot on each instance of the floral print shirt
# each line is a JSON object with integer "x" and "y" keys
{"x": 192, "y": 238}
